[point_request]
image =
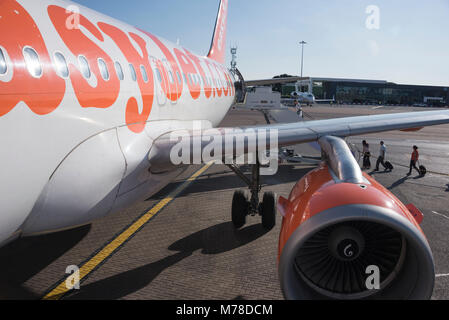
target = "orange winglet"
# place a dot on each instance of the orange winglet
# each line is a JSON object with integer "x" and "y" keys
{"x": 416, "y": 213}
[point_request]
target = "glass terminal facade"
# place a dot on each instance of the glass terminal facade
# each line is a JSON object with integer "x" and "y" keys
{"x": 371, "y": 92}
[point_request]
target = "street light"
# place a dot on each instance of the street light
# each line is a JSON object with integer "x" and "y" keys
{"x": 302, "y": 43}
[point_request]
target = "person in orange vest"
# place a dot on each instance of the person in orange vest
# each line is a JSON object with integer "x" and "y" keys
{"x": 413, "y": 160}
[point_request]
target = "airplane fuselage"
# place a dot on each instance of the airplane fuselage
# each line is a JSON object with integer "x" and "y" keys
{"x": 82, "y": 98}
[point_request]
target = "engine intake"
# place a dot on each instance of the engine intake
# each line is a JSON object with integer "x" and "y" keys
{"x": 328, "y": 256}
{"x": 344, "y": 236}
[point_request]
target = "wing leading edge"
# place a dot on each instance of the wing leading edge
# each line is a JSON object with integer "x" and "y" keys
{"x": 295, "y": 133}
{"x": 217, "y": 139}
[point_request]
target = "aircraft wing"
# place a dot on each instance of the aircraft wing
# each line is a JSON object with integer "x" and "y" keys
{"x": 306, "y": 131}
{"x": 293, "y": 133}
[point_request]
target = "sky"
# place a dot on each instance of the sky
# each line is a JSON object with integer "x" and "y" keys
{"x": 406, "y": 42}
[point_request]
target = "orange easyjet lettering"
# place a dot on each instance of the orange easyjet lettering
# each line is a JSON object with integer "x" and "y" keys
{"x": 196, "y": 60}
{"x": 189, "y": 71}
{"x": 79, "y": 44}
{"x": 175, "y": 81}
{"x": 134, "y": 119}
{"x": 23, "y": 86}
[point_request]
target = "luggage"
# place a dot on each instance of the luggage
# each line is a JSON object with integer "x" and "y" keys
{"x": 388, "y": 165}
{"x": 422, "y": 170}
{"x": 366, "y": 161}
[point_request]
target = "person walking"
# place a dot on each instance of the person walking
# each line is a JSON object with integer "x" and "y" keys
{"x": 298, "y": 108}
{"x": 382, "y": 152}
{"x": 414, "y": 158}
{"x": 366, "y": 155}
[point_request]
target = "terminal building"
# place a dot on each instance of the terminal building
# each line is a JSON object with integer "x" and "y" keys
{"x": 360, "y": 91}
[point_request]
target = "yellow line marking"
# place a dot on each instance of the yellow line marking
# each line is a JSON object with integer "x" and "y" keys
{"x": 61, "y": 289}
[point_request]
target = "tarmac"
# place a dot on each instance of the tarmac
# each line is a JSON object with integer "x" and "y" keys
{"x": 181, "y": 244}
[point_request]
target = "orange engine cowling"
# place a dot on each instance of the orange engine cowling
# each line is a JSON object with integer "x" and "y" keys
{"x": 334, "y": 232}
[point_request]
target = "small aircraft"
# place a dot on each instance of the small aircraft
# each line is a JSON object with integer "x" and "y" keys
{"x": 303, "y": 97}
{"x": 88, "y": 109}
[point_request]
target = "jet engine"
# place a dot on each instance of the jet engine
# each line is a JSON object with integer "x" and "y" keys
{"x": 345, "y": 236}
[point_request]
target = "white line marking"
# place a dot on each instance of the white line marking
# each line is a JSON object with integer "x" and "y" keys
{"x": 377, "y": 107}
{"x": 440, "y": 214}
{"x": 442, "y": 275}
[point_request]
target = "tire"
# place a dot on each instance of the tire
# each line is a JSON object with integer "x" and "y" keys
{"x": 268, "y": 210}
{"x": 240, "y": 206}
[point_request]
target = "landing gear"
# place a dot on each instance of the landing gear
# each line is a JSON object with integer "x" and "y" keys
{"x": 242, "y": 207}
{"x": 268, "y": 210}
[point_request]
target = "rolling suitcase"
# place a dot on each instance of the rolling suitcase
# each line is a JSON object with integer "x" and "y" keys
{"x": 422, "y": 170}
{"x": 366, "y": 161}
{"x": 388, "y": 165}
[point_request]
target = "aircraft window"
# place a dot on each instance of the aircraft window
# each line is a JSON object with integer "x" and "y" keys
{"x": 144, "y": 73}
{"x": 32, "y": 62}
{"x": 84, "y": 66}
{"x": 171, "y": 77}
{"x": 158, "y": 73}
{"x": 61, "y": 65}
{"x": 119, "y": 70}
{"x": 133, "y": 72}
{"x": 103, "y": 69}
{"x": 3, "y": 67}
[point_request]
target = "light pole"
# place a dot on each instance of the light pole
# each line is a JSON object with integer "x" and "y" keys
{"x": 302, "y": 43}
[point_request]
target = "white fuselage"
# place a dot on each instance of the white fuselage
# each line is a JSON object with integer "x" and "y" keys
{"x": 74, "y": 146}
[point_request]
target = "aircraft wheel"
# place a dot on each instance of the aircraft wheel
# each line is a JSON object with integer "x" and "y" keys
{"x": 240, "y": 207}
{"x": 268, "y": 210}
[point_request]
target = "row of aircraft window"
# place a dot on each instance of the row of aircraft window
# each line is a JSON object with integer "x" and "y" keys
{"x": 35, "y": 69}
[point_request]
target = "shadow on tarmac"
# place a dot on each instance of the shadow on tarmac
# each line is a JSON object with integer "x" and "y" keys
{"x": 213, "y": 240}
{"x": 228, "y": 180}
{"x": 25, "y": 257}
{"x": 398, "y": 182}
